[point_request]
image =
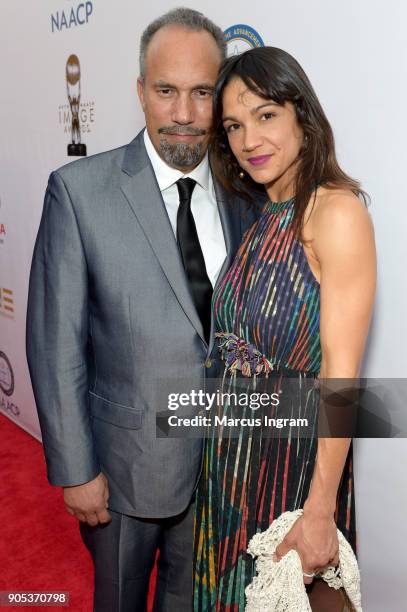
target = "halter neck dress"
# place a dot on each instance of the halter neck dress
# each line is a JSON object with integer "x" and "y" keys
{"x": 267, "y": 314}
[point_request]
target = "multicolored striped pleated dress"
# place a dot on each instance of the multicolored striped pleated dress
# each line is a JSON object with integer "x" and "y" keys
{"x": 267, "y": 316}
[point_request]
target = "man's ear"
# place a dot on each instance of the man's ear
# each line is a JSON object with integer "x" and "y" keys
{"x": 140, "y": 92}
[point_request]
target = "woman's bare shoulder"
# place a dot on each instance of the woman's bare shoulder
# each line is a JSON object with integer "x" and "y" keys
{"x": 332, "y": 206}
{"x": 334, "y": 201}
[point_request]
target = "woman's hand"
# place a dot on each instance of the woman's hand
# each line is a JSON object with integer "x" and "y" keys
{"x": 315, "y": 539}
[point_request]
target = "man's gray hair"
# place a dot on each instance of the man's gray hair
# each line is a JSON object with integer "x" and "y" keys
{"x": 187, "y": 18}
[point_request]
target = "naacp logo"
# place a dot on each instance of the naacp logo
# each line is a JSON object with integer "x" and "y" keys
{"x": 77, "y": 116}
{"x": 7, "y": 406}
{"x": 7, "y": 386}
{"x": 241, "y": 38}
{"x": 77, "y": 16}
{"x": 6, "y": 375}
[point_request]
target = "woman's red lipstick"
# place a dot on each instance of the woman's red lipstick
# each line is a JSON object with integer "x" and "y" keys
{"x": 259, "y": 160}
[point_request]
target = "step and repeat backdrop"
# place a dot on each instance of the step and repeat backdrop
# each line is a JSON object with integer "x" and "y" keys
{"x": 68, "y": 65}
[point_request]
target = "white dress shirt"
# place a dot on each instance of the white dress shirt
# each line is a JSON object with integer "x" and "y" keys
{"x": 204, "y": 206}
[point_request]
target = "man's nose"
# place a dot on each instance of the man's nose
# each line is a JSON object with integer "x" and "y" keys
{"x": 183, "y": 111}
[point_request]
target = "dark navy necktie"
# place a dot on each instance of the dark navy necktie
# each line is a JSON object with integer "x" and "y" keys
{"x": 192, "y": 256}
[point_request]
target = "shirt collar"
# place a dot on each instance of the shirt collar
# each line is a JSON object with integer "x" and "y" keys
{"x": 167, "y": 176}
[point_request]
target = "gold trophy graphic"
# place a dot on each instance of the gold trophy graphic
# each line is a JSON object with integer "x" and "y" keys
{"x": 73, "y": 89}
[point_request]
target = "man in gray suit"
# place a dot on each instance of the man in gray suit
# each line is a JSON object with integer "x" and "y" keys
{"x": 130, "y": 246}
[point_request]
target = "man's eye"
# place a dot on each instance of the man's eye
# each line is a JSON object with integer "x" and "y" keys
{"x": 203, "y": 93}
{"x": 165, "y": 92}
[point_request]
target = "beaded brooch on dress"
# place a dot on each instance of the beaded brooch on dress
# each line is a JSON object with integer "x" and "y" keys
{"x": 242, "y": 356}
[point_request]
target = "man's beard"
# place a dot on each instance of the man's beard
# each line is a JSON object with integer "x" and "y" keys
{"x": 181, "y": 154}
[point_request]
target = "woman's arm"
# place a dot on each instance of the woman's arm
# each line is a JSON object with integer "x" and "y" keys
{"x": 343, "y": 244}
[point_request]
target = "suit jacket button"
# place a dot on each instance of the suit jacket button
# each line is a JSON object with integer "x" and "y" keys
{"x": 208, "y": 363}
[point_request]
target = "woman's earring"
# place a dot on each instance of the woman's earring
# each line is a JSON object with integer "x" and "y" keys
{"x": 241, "y": 175}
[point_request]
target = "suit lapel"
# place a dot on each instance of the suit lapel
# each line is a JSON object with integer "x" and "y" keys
{"x": 142, "y": 194}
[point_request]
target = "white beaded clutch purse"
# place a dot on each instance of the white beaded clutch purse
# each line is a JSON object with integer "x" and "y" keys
{"x": 279, "y": 586}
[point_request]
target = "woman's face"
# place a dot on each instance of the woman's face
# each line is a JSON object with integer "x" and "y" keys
{"x": 265, "y": 137}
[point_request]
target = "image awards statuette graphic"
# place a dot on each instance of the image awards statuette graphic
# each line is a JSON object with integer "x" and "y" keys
{"x": 73, "y": 89}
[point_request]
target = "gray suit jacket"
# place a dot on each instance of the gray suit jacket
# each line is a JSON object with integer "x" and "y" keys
{"x": 109, "y": 315}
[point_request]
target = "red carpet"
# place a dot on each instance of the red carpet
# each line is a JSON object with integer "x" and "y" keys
{"x": 40, "y": 545}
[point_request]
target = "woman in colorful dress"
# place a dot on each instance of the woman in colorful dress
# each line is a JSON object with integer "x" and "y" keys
{"x": 295, "y": 305}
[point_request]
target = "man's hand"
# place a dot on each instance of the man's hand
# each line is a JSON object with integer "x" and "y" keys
{"x": 88, "y": 502}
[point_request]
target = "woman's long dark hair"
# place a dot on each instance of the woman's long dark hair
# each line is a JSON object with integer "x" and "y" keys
{"x": 274, "y": 74}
